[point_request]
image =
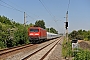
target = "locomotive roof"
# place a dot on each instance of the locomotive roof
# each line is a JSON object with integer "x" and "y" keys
{"x": 36, "y": 28}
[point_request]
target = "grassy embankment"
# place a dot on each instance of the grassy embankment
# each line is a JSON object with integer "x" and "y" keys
{"x": 82, "y": 54}
{"x": 66, "y": 48}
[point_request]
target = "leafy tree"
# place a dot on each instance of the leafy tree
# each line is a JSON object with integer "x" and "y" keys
{"x": 89, "y": 37}
{"x": 5, "y": 20}
{"x": 80, "y": 34}
{"x": 47, "y": 29}
{"x": 40, "y": 23}
{"x": 2, "y": 44}
{"x": 73, "y": 34}
{"x": 80, "y": 31}
{"x": 52, "y": 30}
{"x": 14, "y": 34}
{"x": 21, "y": 36}
{"x": 79, "y": 37}
{"x": 82, "y": 55}
{"x": 0, "y": 26}
{"x": 30, "y": 25}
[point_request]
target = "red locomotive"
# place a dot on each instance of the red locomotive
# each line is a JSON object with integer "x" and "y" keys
{"x": 37, "y": 34}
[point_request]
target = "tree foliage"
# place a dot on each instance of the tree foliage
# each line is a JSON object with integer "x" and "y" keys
{"x": 21, "y": 36}
{"x": 80, "y": 34}
{"x": 40, "y": 23}
{"x": 48, "y": 29}
{"x": 5, "y": 20}
{"x": 30, "y": 25}
{"x": 82, "y": 55}
{"x": 52, "y": 30}
{"x": 13, "y": 33}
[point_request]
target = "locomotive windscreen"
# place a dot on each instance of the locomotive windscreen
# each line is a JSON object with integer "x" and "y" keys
{"x": 34, "y": 30}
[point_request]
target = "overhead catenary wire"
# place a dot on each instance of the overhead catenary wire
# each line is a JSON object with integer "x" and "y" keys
{"x": 46, "y": 8}
{"x": 25, "y": 11}
{"x": 68, "y": 5}
{"x": 11, "y": 7}
{"x": 49, "y": 13}
{"x": 5, "y": 6}
{"x": 30, "y": 16}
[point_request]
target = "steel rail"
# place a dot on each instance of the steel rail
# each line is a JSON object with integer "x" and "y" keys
{"x": 27, "y": 57}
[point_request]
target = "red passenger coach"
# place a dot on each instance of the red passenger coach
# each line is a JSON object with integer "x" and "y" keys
{"x": 37, "y": 34}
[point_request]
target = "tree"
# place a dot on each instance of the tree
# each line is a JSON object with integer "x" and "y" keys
{"x": 0, "y": 26}
{"x": 40, "y": 23}
{"x": 30, "y": 25}
{"x": 21, "y": 36}
{"x": 73, "y": 34}
{"x": 2, "y": 44}
{"x": 5, "y": 20}
{"x": 47, "y": 29}
{"x": 89, "y": 37}
{"x": 80, "y": 31}
{"x": 52, "y": 30}
{"x": 80, "y": 34}
{"x": 79, "y": 37}
{"x": 12, "y": 33}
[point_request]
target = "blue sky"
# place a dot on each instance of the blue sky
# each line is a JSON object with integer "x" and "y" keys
{"x": 53, "y": 12}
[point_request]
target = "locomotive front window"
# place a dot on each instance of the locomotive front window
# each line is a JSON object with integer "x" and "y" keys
{"x": 34, "y": 30}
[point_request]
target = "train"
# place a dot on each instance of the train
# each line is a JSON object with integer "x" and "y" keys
{"x": 38, "y": 34}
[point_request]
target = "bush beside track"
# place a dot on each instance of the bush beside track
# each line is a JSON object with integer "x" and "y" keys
{"x": 82, "y": 53}
{"x": 15, "y": 34}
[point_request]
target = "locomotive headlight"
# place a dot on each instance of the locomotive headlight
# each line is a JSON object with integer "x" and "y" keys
{"x": 36, "y": 34}
{"x": 30, "y": 34}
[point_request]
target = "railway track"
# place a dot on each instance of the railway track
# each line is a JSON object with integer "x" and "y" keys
{"x": 41, "y": 53}
{"x": 9, "y": 51}
{"x": 26, "y": 51}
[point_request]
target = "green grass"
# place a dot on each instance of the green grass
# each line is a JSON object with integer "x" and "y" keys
{"x": 66, "y": 48}
{"x": 82, "y": 55}
{"x": 68, "y": 53}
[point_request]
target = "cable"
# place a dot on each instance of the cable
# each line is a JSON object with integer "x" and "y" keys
{"x": 15, "y": 5}
{"x": 6, "y": 6}
{"x": 11, "y": 6}
{"x": 68, "y": 5}
{"x": 49, "y": 13}
{"x": 46, "y": 8}
{"x": 25, "y": 11}
{"x": 30, "y": 16}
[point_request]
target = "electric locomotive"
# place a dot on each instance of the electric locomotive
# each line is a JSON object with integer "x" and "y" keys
{"x": 37, "y": 34}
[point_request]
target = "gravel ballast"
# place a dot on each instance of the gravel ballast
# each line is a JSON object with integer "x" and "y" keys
{"x": 22, "y": 54}
{"x": 57, "y": 52}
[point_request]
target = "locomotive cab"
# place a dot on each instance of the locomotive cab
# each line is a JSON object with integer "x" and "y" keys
{"x": 34, "y": 34}
{"x": 37, "y": 34}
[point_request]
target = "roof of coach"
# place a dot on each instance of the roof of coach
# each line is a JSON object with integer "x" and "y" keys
{"x": 51, "y": 33}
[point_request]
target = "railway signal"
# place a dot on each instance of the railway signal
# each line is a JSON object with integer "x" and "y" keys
{"x": 66, "y": 25}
